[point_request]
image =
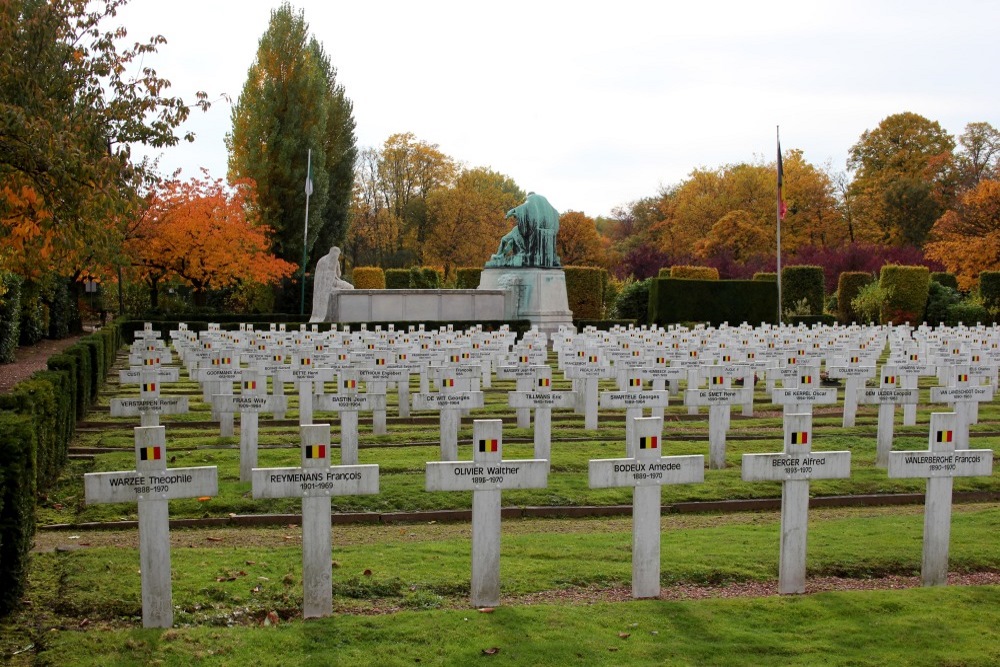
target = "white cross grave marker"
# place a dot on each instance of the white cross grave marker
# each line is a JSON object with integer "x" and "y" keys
{"x": 542, "y": 400}
{"x": 450, "y": 404}
{"x": 794, "y": 468}
{"x": 486, "y": 476}
{"x": 886, "y": 397}
{"x": 151, "y": 485}
{"x": 250, "y": 402}
{"x": 940, "y": 464}
{"x": 315, "y": 481}
{"x": 646, "y": 470}
{"x": 348, "y": 402}
{"x": 150, "y": 405}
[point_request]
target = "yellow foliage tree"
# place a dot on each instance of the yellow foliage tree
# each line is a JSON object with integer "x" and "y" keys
{"x": 578, "y": 243}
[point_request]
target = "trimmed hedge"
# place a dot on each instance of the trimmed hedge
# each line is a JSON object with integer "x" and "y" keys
{"x": 368, "y": 277}
{"x": 467, "y": 277}
{"x": 771, "y": 276}
{"x": 426, "y": 277}
{"x": 10, "y": 316}
{"x": 690, "y": 272}
{"x": 37, "y": 420}
{"x": 945, "y": 278}
{"x": 34, "y": 314}
{"x": 17, "y": 504}
{"x": 585, "y": 291}
{"x": 57, "y": 299}
{"x": 802, "y": 282}
{"x": 673, "y": 300}
{"x": 989, "y": 290}
{"x": 397, "y": 279}
{"x": 849, "y": 284}
{"x": 908, "y": 288}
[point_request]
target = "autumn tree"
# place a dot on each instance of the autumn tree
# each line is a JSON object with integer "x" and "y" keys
{"x": 373, "y": 233}
{"x": 966, "y": 239}
{"x": 578, "y": 243}
{"x": 206, "y": 234}
{"x": 980, "y": 154}
{"x": 904, "y": 178}
{"x": 72, "y": 100}
{"x": 738, "y": 234}
{"x": 466, "y": 220}
{"x": 291, "y": 104}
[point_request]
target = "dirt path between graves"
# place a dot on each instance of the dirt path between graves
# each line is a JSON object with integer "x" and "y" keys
{"x": 30, "y": 359}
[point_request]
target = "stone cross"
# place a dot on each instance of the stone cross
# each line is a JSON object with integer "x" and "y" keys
{"x": 304, "y": 372}
{"x": 961, "y": 396}
{"x": 542, "y": 399}
{"x": 486, "y": 476}
{"x": 151, "y": 485}
{"x": 589, "y": 369}
{"x": 315, "y": 481}
{"x": 251, "y": 401}
{"x": 377, "y": 377}
{"x": 662, "y": 376}
{"x": 909, "y": 370}
{"x": 854, "y": 369}
{"x": 646, "y": 470}
{"x": 521, "y": 366}
{"x": 348, "y": 402}
{"x": 719, "y": 397}
{"x": 450, "y": 404}
{"x": 945, "y": 458}
{"x": 886, "y": 397}
{"x": 794, "y": 468}
{"x": 217, "y": 379}
{"x": 801, "y": 391}
{"x": 150, "y": 405}
{"x": 633, "y": 399}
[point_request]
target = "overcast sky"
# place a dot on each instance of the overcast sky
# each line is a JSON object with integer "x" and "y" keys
{"x": 596, "y": 104}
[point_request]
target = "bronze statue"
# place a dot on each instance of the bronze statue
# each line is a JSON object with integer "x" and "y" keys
{"x": 532, "y": 240}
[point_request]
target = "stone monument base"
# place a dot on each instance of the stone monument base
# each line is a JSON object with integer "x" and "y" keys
{"x": 418, "y": 305}
{"x": 538, "y": 295}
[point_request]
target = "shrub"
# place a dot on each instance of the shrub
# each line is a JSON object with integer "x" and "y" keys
{"x": 849, "y": 286}
{"x": 802, "y": 284}
{"x": 691, "y": 272}
{"x": 10, "y": 316}
{"x": 633, "y": 302}
{"x": 770, "y": 276}
{"x": 425, "y": 277}
{"x": 33, "y": 325}
{"x": 56, "y": 297}
{"x": 585, "y": 291}
{"x": 967, "y": 313}
{"x": 907, "y": 297}
{"x": 368, "y": 277}
{"x": 467, "y": 277}
{"x": 989, "y": 290}
{"x": 940, "y": 301}
{"x": 397, "y": 279}
{"x": 17, "y": 504}
{"x": 673, "y": 300}
{"x": 944, "y": 278}
{"x": 869, "y": 302}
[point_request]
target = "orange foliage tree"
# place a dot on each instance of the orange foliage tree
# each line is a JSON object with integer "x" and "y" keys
{"x": 578, "y": 242}
{"x": 206, "y": 234}
{"x": 967, "y": 239}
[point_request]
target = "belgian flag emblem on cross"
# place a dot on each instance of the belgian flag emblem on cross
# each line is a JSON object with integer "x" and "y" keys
{"x": 150, "y": 454}
{"x": 635, "y": 382}
{"x": 544, "y": 382}
{"x": 316, "y": 451}
{"x": 250, "y": 384}
{"x": 800, "y": 438}
{"x": 149, "y": 386}
{"x": 649, "y": 442}
{"x": 944, "y": 436}
{"x": 488, "y": 445}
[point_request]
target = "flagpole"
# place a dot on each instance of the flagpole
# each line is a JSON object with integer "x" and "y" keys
{"x": 305, "y": 233}
{"x": 777, "y": 206}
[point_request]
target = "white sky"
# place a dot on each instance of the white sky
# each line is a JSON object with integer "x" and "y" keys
{"x": 596, "y": 104}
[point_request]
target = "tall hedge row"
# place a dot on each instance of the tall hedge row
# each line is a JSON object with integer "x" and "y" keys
{"x": 849, "y": 285}
{"x": 368, "y": 277}
{"x": 690, "y": 272}
{"x": 37, "y": 419}
{"x": 397, "y": 279}
{"x": 945, "y": 278}
{"x": 585, "y": 291}
{"x": 802, "y": 282}
{"x": 467, "y": 277}
{"x": 417, "y": 277}
{"x": 673, "y": 300}
{"x": 908, "y": 287}
{"x": 10, "y": 315}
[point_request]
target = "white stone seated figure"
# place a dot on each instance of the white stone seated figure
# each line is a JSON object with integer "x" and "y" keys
{"x": 326, "y": 280}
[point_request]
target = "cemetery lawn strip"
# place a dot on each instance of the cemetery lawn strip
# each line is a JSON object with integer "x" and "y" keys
{"x": 936, "y": 626}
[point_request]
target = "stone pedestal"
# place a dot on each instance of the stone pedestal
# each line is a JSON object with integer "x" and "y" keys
{"x": 538, "y": 295}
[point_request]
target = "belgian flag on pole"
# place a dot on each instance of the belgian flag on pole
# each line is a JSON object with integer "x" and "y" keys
{"x": 488, "y": 445}
{"x": 649, "y": 442}
{"x": 150, "y": 454}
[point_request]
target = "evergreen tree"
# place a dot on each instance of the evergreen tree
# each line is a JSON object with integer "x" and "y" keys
{"x": 290, "y": 104}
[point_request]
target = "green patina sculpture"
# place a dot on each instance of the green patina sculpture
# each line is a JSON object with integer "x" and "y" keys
{"x": 532, "y": 241}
